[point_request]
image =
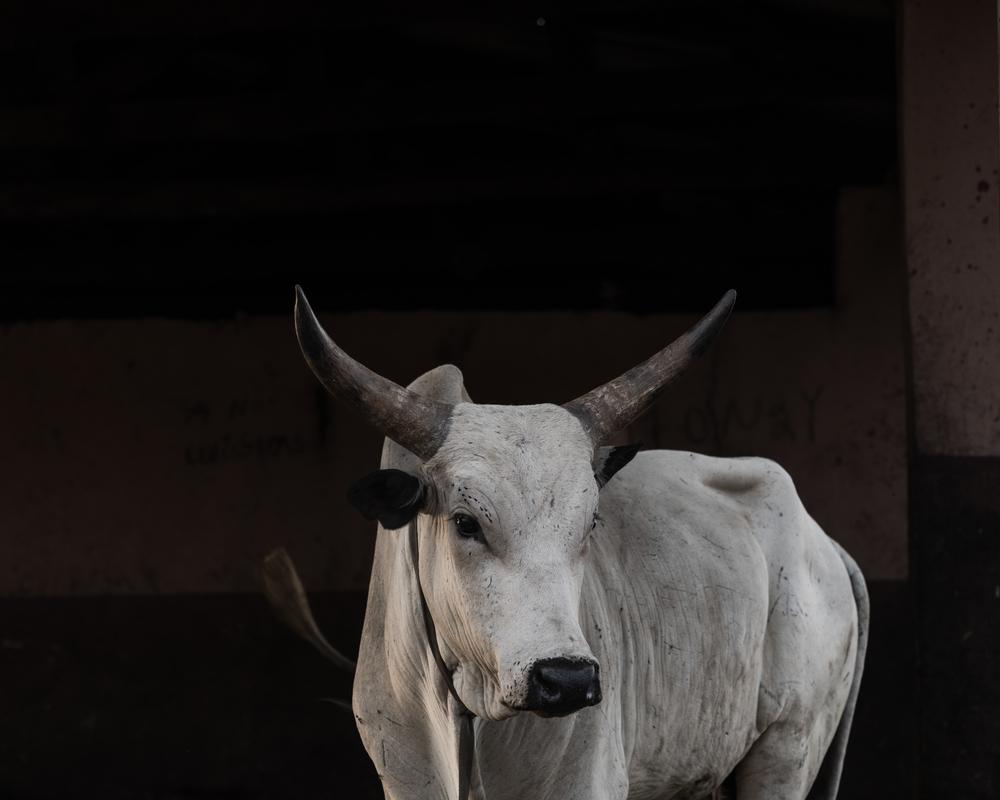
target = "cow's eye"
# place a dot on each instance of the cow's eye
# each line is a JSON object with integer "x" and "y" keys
{"x": 467, "y": 526}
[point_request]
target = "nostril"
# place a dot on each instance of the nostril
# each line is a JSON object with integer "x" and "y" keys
{"x": 571, "y": 675}
{"x": 546, "y": 679}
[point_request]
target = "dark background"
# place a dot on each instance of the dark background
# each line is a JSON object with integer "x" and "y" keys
{"x": 516, "y": 157}
{"x": 192, "y": 161}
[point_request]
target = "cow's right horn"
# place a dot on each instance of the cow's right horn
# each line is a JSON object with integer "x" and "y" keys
{"x": 417, "y": 423}
{"x": 613, "y": 406}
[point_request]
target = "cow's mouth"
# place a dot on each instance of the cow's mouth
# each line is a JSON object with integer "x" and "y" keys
{"x": 556, "y": 714}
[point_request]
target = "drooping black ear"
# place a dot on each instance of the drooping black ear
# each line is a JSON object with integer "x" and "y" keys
{"x": 611, "y": 459}
{"x": 391, "y": 496}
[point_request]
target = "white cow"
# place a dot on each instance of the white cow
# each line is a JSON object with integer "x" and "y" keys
{"x": 646, "y": 638}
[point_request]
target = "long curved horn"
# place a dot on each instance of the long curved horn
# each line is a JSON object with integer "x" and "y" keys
{"x": 417, "y": 423}
{"x": 614, "y": 405}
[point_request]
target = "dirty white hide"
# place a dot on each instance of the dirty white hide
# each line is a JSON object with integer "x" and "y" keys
{"x": 728, "y": 628}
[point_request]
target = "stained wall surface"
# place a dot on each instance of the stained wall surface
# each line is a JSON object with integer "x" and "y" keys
{"x": 154, "y": 457}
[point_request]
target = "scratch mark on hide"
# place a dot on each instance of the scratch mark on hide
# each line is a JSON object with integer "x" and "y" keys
{"x": 794, "y": 611}
{"x": 790, "y": 606}
{"x": 722, "y": 547}
{"x": 774, "y": 605}
{"x": 678, "y": 589}
{"x": 778, "y": 596}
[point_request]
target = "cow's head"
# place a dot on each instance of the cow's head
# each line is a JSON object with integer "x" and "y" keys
{"x": 505, "y": 499}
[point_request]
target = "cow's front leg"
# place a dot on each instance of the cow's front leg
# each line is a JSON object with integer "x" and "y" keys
{"x": 783, "y": 763}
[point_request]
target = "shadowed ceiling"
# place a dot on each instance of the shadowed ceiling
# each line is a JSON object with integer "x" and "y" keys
{"x": 187, "y": 159}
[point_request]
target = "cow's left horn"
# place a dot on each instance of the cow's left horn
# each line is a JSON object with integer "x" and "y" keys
{"x": 417, "y": 423}
{"x": 614, "y": 405}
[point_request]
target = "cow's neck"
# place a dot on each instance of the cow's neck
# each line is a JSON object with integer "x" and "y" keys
{"x": 460, "y": 716}
{"x": 415, "y": 752}
{"x": 406, "y": 715}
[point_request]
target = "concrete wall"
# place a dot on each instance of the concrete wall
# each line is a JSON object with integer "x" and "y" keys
{"x": 154, "y": 457}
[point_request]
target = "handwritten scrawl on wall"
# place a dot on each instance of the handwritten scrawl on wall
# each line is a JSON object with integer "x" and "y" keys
{"x": 239, "y": 440}
{"x": 778, "y": 417}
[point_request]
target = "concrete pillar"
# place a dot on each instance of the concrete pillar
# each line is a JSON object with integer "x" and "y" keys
{"x": 951, "y": 165}
{"x": 951, "y": 151}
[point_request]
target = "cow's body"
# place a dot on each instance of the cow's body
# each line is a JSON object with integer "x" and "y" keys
{"x": 725, "y": 622}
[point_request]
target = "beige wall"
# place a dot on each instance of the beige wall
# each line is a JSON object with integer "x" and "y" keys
{"x": 164, "y": 456}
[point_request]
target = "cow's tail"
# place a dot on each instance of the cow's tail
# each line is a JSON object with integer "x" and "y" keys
{"x": 828, "y": 781}
{"x": 287, "y": 596}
